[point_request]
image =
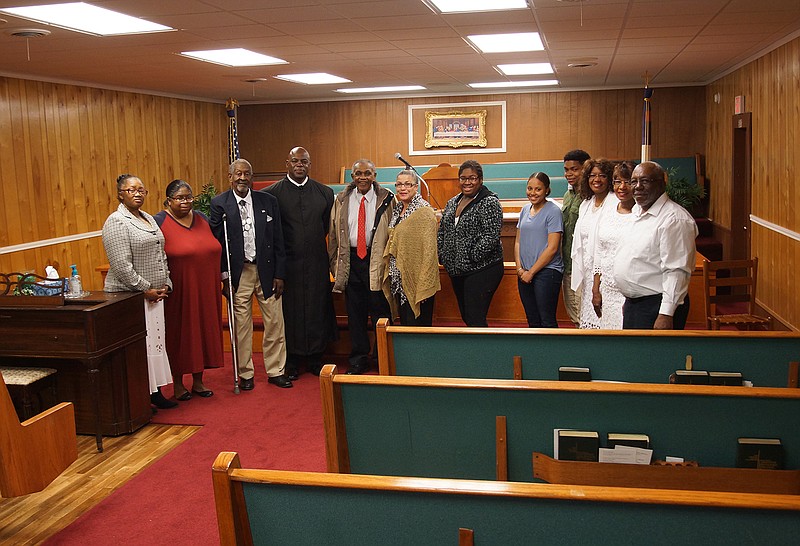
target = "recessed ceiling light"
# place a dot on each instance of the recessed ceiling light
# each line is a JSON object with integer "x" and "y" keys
{"x": 467, "y": 6}
{"x": 534, "y": 83}
{"x": 84, "y": 17}
{"x": 315, "y": 78}
{"x": 381, "y": 89}
{"x": 233, "y": 57}
{"x": 525, "y": 69}
{"x": 503, "y": 43}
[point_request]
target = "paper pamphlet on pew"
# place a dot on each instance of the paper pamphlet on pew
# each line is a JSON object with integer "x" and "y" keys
{"x": 625, "y": 455}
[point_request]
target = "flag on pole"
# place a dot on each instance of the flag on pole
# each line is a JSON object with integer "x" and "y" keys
{"x": 648, "y": 93}
{"x": 233, "y": 139}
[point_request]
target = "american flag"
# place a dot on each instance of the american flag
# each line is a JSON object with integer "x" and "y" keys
{"x": 648, "y": 93}
{"x": 233, "y": 139}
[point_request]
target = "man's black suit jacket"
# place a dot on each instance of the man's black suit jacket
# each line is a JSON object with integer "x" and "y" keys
{"x": 270, "y": 252}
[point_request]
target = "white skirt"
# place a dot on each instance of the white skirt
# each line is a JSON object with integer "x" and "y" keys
{"x": 158, "y": 370}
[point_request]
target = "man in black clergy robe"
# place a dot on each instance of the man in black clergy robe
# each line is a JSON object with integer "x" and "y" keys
{"x": 305, "y": 206}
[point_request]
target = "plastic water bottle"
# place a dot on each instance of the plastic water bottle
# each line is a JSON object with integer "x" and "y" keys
{"x": 75, "y": 283}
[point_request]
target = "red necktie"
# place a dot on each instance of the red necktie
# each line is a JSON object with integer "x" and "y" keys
{"x": 361, "y": 246}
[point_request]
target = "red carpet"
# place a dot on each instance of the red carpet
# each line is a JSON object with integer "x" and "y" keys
{"x": 172, "y": 501}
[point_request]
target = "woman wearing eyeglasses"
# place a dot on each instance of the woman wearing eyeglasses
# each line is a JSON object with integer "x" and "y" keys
{"x": 595, "y": 190}
{"x": 413, "y": 263}
{"x": 607, "y": 300}
{"x": 469, "y": 244}
{"x": 194, "y": 309}
{"x": 135, "y": 248}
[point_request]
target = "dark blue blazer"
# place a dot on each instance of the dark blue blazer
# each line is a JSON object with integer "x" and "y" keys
{"x": 270, "y": 253}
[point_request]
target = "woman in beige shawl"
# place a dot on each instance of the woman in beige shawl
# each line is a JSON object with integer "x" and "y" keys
{"x": 412, "y": 278}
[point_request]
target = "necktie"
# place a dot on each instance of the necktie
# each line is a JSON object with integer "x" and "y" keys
{"x": 247, "y": 226}
{"x": 361, "y": 246}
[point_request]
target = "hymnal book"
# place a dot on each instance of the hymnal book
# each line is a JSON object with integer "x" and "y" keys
{"x": 632, "y": 440}
{"x": 733, "y": 379}
{"x": 573, "y": 373}
{"x": 578, "y": 445}
{"x": 691, "y": 377}
{"x": 763, "y": 453}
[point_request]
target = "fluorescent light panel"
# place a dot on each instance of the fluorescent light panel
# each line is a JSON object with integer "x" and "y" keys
{"x": 381, "y": 89}
{"x": 233, "y": 57}
{"x": 506, "y": 43}
{"x": 525, "y": 69}
{"x": 315, "y": 78}
{"x": 467, "y": 6}
{"x": 84, "y": 17}
{"x": 533, "y": 83}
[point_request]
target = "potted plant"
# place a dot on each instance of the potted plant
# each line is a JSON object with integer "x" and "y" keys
{"x": 683, "y": 192}
{"x": 202, "y": 201}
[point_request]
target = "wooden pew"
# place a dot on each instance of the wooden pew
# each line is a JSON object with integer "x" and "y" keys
{"x": 643, "y": 356}
{"x": 33, "y": 453}
{"x": 340, "y": 509}
{"x": 488, "y": 429}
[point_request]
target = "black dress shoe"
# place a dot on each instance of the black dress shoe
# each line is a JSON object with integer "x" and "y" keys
{"x": 281, "y": 381}
{"x": 292, "y": 374}
{"x": 246, "y": 384}
{"x": 314, "y": 368}
{"x": 158, "y": 400}
{"x": 204, "y": 394}
{"x": 357, "y": 370}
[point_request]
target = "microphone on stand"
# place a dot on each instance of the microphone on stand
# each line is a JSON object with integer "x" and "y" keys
{"x": 410, "y": 167}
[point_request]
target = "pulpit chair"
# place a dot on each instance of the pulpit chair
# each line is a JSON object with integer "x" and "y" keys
{"x": 33, "y": 453}
{"x": 738, "y": 287}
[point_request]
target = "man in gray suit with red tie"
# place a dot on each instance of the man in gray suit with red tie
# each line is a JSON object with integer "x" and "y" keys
{"x": 258, "y": 269}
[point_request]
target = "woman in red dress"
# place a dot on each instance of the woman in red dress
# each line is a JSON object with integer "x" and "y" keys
{"x": 193, "y": 312}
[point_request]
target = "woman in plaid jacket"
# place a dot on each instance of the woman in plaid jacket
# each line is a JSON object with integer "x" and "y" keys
{"x": 135, "y": 248}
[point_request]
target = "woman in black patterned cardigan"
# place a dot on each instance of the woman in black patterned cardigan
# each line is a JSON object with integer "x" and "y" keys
{"x": 469, "y": 244}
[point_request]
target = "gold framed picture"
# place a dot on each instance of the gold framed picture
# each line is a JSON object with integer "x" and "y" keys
{"x": 455, "y": 129}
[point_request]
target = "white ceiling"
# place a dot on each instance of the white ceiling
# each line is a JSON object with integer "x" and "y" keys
{"x": 400, "y": 42}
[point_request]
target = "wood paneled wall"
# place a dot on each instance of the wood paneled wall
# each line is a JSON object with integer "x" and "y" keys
{"x": 62, "y": 148}
{"x": 540, "y": 126}
{"x": 771, "y": 87}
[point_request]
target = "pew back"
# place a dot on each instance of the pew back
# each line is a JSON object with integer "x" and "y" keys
{"x": 412, "y": 426}
{"x": 641, "y": 356}
{"x": 252, "y": 507}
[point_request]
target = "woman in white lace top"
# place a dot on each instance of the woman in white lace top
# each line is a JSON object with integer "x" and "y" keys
{"x": 595, "y": 189}
{"x": 606, "y": 298}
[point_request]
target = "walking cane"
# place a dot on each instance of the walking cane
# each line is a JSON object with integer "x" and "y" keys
{"x": 231, "y": 314}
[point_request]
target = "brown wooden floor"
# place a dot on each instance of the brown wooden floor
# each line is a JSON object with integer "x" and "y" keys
{"x": 33, "y": 518}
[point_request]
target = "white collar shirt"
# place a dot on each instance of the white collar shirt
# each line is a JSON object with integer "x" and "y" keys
{"x": 298, "y": 184}
{"x": 353, "y": 204}
{"x": 656, "y": 254}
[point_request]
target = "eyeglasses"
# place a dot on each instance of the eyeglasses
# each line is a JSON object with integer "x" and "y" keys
{"x": 643, "y": 181}
{"x": 183, "y": 198}
{"x": 399, "y": 185}
{"x": 598, "y": 175}
{"x": 620, "y": 181}
{"x": 363, "y": 173}
{"x": 295, "y": 161}
{"x": 472, "y": 178}
{"x": 134, "y": 191}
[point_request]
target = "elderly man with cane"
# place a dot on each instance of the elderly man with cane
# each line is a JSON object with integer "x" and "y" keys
{"x": 254, "y": 249}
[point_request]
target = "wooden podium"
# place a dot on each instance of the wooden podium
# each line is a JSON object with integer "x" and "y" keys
{"x": 97, "y": 344}
{"x": 442, "y": 184}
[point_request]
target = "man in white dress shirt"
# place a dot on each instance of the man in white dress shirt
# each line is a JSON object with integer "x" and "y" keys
{"x": 656, "y": 255}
